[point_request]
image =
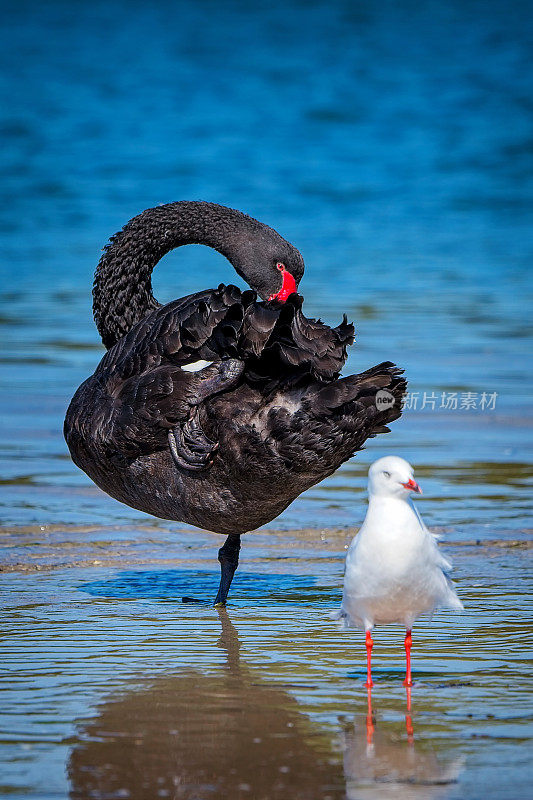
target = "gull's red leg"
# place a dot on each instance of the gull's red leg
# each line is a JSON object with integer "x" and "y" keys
{"x": 369, "y": 718}
{"x": 369, "y": 645}
{"x": 408, "y": 642}
{"x": 408, "y": 720}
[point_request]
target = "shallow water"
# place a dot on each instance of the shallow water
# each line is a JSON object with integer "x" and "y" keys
{"x": 392, "y": 144}
{"x": 141, "y": 695}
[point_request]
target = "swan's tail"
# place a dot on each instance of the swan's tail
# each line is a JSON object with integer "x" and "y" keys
{"x": 335, "y": 419}
{"x": 379, "y": 391}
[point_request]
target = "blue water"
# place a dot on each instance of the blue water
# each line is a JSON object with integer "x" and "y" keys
{"x": 392, "y": 143}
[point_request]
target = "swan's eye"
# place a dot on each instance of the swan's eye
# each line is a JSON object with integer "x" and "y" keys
{"x": 280, "y": 266}
{"x": 387, "y": 474}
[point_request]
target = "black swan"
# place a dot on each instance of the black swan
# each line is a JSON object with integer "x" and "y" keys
{"x": 227, "y": 447}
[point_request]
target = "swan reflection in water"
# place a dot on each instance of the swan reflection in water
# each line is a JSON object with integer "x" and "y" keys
{"x": 227, "y": 735}
{"x": 231, "y": 735}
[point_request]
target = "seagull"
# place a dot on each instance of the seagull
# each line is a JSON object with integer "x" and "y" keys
{"x": 394, "y": 570}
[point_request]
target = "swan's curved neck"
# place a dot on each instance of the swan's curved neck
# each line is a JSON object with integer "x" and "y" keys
{"x": 122, "y": 292}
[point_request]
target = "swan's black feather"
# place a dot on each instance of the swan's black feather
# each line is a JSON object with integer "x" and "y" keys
{"x": 271, "y": 401}
{"x": 229, "y": 447}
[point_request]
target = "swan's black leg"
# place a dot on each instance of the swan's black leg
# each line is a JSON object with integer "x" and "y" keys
{"x": 185, "y": 457}
{"x": 194, "y": 437}
{"x": 228, "y": 555}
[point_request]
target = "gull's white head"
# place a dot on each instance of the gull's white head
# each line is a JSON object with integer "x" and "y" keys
{"x": 392, "y": 476}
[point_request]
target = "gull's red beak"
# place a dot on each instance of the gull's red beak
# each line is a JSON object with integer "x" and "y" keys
{"x": 413, "y": 485}
{"x": 288, "y": 286}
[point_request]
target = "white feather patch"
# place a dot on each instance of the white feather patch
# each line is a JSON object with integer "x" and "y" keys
{"x": 196, "y": 366}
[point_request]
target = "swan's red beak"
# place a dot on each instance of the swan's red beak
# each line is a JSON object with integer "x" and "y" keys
{"x": 288, "y": 286}
{"x": 413, "y": 485}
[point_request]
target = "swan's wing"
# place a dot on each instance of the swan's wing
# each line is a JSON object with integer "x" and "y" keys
{"x": 280, "y": 336}
{"x": 205, "y": 325}
{"x": 320, "y": 348}
{"x": 159, "y": 409}
{"x": 271, "y": 338}
{"x": 153, "y": 398}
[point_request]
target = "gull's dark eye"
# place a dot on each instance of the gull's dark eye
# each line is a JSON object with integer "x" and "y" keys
{"x": 387, "y": 474}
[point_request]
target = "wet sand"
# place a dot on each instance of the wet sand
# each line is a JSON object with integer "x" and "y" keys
{"x": 33, "y": 548}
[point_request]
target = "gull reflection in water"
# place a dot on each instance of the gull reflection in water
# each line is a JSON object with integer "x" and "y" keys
{"x": 231, "y": 734}
{"x": 379, "y": 756}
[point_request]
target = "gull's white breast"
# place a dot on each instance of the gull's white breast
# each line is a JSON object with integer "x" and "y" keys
{"x": 394, "y": 571}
